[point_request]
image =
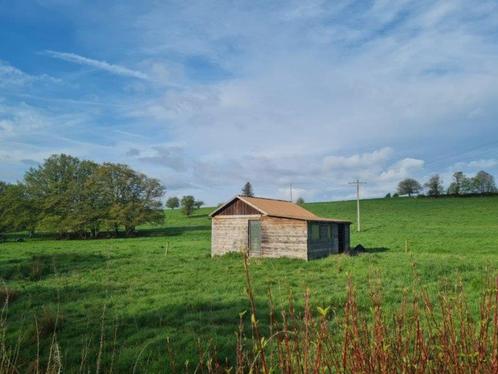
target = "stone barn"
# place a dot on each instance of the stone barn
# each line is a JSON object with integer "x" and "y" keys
{"x": 275, "y": 228}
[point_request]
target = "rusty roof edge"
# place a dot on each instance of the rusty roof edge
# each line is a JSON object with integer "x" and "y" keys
{"x": 311, "y": 219}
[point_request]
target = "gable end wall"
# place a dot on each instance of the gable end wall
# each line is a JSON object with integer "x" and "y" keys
{"x": 229, "y": 234}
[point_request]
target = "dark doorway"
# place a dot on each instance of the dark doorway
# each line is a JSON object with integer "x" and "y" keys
{"x": 341, "y": 233}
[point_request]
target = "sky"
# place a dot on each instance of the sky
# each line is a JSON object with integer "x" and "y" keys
{"x": 206, "y": 95}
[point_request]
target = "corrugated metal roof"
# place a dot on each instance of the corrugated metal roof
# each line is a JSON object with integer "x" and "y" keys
{"x": 280, "y": 208}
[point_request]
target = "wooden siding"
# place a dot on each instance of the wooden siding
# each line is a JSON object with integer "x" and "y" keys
{"x": 347, "y": 237}
{"x": 229, "y": 234}
{"x": 323, "y": 246}
{"x": 282, "y": 237}
{"x": 237, "y": 208}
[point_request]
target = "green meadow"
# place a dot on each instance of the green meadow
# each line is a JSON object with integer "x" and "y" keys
{"x": 158, "y": 297}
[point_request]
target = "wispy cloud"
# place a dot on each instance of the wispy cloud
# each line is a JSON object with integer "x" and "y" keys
{"x": 11, "y": 76}
{"x": 312, "y": 93}
{"x": 101, "y": 65}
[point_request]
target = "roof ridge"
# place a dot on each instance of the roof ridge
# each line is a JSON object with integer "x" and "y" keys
{"x": 267, "y": 198}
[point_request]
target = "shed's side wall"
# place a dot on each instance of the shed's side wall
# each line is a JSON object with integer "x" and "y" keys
{"x": 229, "y": 234}
{"x": 347, "y": 239}
{"x": 323, "y": 246}
{"x": 282, "y": 237}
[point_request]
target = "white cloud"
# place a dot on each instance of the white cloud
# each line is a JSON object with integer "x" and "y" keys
{"x": 357, "y": 161}
{"x": 402, "y": 169}
{"x": 101, "y": 65}
{"x": 11, "y": 77}
{"x": 476, "y": 165}
{"x": 311, "y": 92}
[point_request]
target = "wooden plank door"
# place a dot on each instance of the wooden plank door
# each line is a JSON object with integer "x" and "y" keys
{"x": 254, "y": 238}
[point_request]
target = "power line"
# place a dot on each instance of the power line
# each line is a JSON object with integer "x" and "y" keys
{"x": 357, "y": 183}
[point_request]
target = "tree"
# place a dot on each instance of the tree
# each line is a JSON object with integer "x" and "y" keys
{"x": 409, "y": 187}
{"x": 17, "y": 211}
{"x": 198, "y": 204}
{"x": 173, "y": 202}
{"x": 130, "y": 198}
{"x": 58, "y": 190}
{"x": 187, "y": 203}
{"x": 459, "y": 181}
{"x": 434, "y": 186}
{"x": 484, "y": 182}
{"x": 388, "y": 195}
{"x": 3, "y": 187}
{"x": 247, "y": 190}
{"x": 300, "y": 201}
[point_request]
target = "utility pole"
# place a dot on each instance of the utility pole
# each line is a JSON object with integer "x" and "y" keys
{"x": 357, "y": 183}
{"x": 290, "y": 188}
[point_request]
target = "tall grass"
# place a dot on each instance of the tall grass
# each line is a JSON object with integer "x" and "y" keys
{"x": 421, "y": 336}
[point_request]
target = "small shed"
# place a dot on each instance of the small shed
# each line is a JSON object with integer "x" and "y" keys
{"x": 275, "y": 228}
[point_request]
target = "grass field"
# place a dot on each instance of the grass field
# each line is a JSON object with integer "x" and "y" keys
{"x": 164, "y": 285}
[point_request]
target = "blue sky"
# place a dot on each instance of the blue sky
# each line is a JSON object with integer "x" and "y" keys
{"x": 206, "y": 95}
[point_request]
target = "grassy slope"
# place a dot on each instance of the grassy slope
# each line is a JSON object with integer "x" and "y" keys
{"x": 184, "y": 294}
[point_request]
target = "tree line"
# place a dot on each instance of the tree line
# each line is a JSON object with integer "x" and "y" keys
{"x": 80, "y": 198}
{"x": 480, "y": 184}
{"x": 187, "y": 204}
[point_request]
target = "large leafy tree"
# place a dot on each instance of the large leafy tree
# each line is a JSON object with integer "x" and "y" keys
{"x": 409, "y": 186}
{"x": 188, "y": 205}
{"x": 434, "y": 186}
{"x": 128, "y": 198}
{"x": 173, "y": 202}
{"x": 58, "y": 190}
{"x": 459, "y": 184}
{"x": 81, "y": 197}
{"x": 484, "y": 182}
{"x": 17, "y": 211}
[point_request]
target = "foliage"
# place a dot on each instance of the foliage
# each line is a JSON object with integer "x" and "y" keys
{"x": 79, "y": 197}
{"x": 247, "y": 190}
{"x": 434, "y": 186}
{"x": 173, "y": 202}
{"x": 481, "y": 183}
{"x": 388, "y": 195}
{"x": 457, "y": 186}
{"x": 300, "y": 201}
{"x": 484, "y": 182}
{"x": 57, "y": 189}
{"x": 130, "y": 198}
{"x": 188, "y": 205}
{"x": 164, "y": 285}
{"x": 18, "y": 212}
{"x": 409, "y": 186}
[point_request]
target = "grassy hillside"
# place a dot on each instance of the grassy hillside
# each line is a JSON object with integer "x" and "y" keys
{"x": 164, "y": 285}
